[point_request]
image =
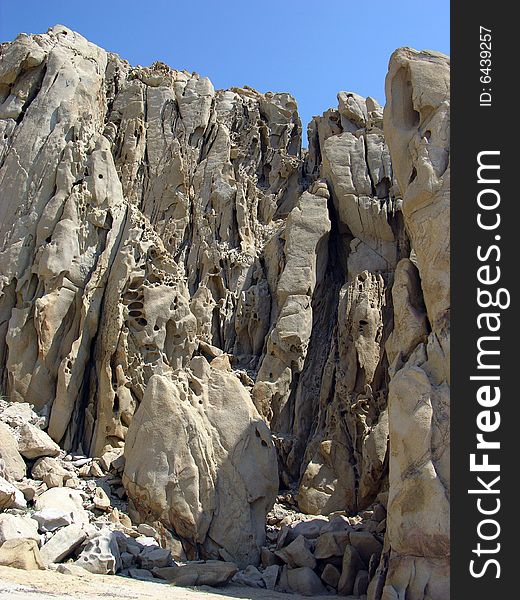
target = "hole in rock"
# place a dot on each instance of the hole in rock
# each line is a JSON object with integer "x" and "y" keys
{"x": 413, "y": 175}
{"x": 100, "y": 176}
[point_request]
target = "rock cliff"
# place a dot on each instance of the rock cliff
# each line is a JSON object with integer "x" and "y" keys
{"x": 179, "y": 278}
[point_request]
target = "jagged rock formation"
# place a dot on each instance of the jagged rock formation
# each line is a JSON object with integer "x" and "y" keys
{"x": 180, "y": 279}
{"x": 417, "y": 130}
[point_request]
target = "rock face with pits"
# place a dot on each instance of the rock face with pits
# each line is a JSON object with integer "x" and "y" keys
{"x": 187, "y": 292}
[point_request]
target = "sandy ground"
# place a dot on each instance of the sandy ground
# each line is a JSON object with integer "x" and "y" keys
{"x": 16, "y": 584}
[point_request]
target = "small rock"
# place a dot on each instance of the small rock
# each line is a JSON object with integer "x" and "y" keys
{"x": 270, "y": 576}
{"x": 297, "y": 554}
{"x": 140, "y": 574}
{"x": 127, "y": 560}
{"x": 361, "y": 583}
{"x": 10, "y": 496}
{"x": 309, "y": 529}
{"x": 53, "y": 480}
{"x": 250, "y": 576}
{"x": 21, "y": 553}
{"x": 34, "y": 442}
{"x": 95, "y": 470}
{"x": 337, "y": 523}
{"x": 71, "y": 569}
{"x": 146, "y": 540}
{"x": 80, "y": 462}
{"x": 304, "y": 581}
{"x": 331, "y": 575}
{"x": 48, "y": 465}
{"x": 146, "y": 530}
{"x": 109, "y": 457}
{"x": 101, "y": 500}
{"x": 268, "y": 558}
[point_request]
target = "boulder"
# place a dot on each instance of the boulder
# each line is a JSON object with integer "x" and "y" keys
{"x": 331, "y": 575}
{"x": 304, "y": 581}
{"x": 217, "y": 432}
{"x": 101, "y": 554}
{"x": 34, "y": 442}
{"x": 46, "y": 468}
{"x": 270, "y": 576}
{"x": 154, "y": 556}
{"x": 14, "y": 465}
{"x": 17, "y": 526}
{"x": 361, "y": 583}
{"x": 366, "y": 544}
{"x": 250, "y": 576}
{"x": 352, "y": 563}
{"x": 297, "y": 554}
{"x": 62, "y": 544}
{"x": 211, "y": 572}
{"x": 21, "y": 553}
{"x": 50, "y": 519}
{"x": 65, "y": 500}
{"x": 331, "y": 544}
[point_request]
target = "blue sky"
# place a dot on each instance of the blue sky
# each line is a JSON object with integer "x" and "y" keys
{"x": 312, "y": 49}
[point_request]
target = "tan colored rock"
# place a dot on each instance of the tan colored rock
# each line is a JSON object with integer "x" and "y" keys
{"x": 416, "y": 123}
{"x": 34, "y": 442}
{"x": 229, "y": 512}
{"x": 65, "y": 500}
{"x": 17, "y": 526}
{"x": 21, "y": 553}
{"x": 10, "y": 496}
{"x": 14, "y": 465}
{"x": 297, "y": 554}
{"x": 101, "y": 500}
{"x": 211, "y": 572}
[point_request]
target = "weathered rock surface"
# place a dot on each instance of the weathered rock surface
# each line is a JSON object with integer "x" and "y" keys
{"x": 14, "y": 466}
{"x": 17, "y": 526}
{"x": 192, "y": 302}
{"x": 211, "y": 572}
{"x": 417, "y": 130}
{"x": 21, "y": 553}
{"x": 62, "y": 544}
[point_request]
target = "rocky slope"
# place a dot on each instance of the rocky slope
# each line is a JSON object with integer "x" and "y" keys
{"x": 182, "y": 284}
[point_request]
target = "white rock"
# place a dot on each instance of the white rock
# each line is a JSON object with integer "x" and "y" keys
{"x": 62, "y": 543}
{"x": 17, "y": 526}
{"x": 66, "y": 500}
{"x": 101, "y": 554}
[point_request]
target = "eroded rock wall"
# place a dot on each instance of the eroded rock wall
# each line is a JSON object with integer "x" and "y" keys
{"x": 179, "y": 278}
